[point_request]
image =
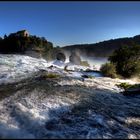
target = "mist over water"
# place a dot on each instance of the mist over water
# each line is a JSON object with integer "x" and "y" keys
{"x": 92, "y": 60}
{"x": 95, "y": 61}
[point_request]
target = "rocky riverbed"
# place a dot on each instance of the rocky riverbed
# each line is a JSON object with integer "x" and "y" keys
{"x": 67, "y": 106}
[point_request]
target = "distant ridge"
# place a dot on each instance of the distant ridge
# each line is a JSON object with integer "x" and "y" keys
{"x": 102, "y": 49}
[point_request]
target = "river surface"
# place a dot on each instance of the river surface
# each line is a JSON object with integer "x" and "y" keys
{"x": 95, "y": 62}
{"x": 94, "y": 74}
{"x": 62, "y": 107}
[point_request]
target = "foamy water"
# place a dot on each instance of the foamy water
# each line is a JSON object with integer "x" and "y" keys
{"x": 68, "y": 108}
{"x": 95, "y": 61}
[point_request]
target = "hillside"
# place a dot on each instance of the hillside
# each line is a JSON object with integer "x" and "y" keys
{"x": 21, "y": 42}
{"x": 102, "y": 49}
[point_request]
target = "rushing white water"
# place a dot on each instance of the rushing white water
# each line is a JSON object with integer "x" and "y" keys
{"x": 65, "y": 108}
{"x": 95, "y": 62}
{"x": 72, "y": 109}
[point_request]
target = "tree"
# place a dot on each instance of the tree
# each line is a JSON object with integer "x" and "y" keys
{"x": 21, "y": 44}
{"x": 109, "y": 70}
{"x": 127, "y": 60}
{"x": 5, "y": 36}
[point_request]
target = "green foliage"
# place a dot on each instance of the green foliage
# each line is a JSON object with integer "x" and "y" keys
{"x": 104, "y": 48}
{"x": 91, "y": 77}
{"x": 127, "y": 86}
{"x": 20, "y": 44}
{"x": 48, "y": 55}
{"x": 49, "y": 75}
{"x": 135, "y": 86}
{"x": 84, "y": 63}
{"x": 127, "y": 60}
{"x": 124, "y": 85}
{"x": 109, "y": 70}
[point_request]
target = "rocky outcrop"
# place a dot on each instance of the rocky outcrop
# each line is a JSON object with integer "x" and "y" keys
{"x": 75, "y": 58}
{"x": 132, "y": 91}
{"x": 61, "y": 56}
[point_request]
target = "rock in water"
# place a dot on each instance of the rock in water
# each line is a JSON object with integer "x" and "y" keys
{"x": 132, "y": 91}
{"x": 85, "y": 76}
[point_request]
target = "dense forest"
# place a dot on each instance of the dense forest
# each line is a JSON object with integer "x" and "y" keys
{"x": 19, "y": 44}
{"x": 103, "y": 49}
{"x": 124, "y": 61}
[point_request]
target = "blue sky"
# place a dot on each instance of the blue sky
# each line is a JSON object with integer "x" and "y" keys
{"x": 66, "y": 23}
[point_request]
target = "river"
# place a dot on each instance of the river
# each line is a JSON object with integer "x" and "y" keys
{"x": 93, "y": 73}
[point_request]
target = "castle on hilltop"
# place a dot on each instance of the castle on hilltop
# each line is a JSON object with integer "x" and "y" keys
{"x": 22, "y": 33}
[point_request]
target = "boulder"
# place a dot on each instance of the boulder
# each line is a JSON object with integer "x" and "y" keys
{"x": 75, "y": 58}
{"x": 132, "y": 91}
{"x": 61, "y": 57}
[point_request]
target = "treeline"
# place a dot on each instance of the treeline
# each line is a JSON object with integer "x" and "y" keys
{"x": 14, "y": 44}
{"x": 124, "y": 62}
{"x": 19, "y": 44}
{"x": 104, "y": 48}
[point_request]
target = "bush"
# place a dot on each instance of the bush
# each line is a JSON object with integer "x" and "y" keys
{"x": 130, "y": 90}
{"x": 85, "y": 63}
{"x": 128, "y": 86}
{"x": 49, "y": 75}
{"x": 124, "y": 85}
{"x": 127, "y": 60}
{"x": 21, "y": 44}
{"x": 108, "y": 70}
{"x": 91, "y": 77}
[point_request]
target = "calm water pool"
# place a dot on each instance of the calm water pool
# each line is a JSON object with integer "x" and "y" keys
{"x": 95, "y": 74}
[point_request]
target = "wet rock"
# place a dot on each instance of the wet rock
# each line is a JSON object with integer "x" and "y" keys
{"x": 3, "y": 76}
{"x": 51, "y": 125}
{"x": 61, "y": 57}
{"x": 75, "y": 58}
{"x": 85, "y": 76}
{"x": 67, "y": 120}
{"x": 133, "y": 91}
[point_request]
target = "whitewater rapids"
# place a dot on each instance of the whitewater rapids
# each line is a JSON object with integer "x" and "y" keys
{"x": 65, "y": 107}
